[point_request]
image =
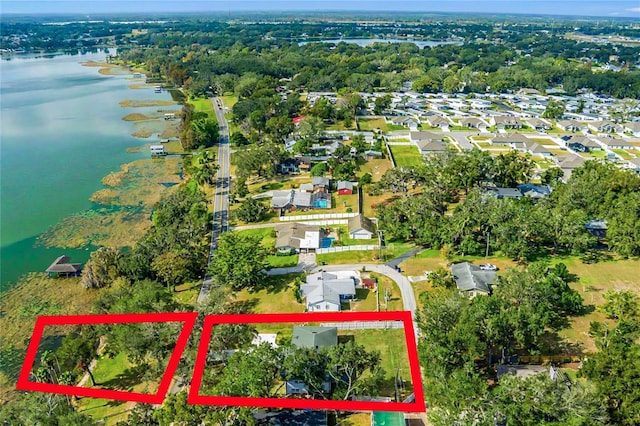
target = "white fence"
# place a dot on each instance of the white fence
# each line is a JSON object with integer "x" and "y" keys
{"x": 326, "y": 222}
{"x": 363, "y": 325}
{"x": 299, "y": 218}
{"x": 400, "y": 143}
{"x": 346, "y": 248}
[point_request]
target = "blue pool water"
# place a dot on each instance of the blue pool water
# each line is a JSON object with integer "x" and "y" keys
{"x": 320, "y": 204}
{"x": 326, "y": 242}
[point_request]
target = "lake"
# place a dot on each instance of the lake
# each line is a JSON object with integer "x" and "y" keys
{"x": 363, "y": 42}
{"x": 62, "y": 132}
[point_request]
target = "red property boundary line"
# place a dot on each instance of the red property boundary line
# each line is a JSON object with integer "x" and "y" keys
{"x": 212, "y": 320}
{"x": 189, "y": 319}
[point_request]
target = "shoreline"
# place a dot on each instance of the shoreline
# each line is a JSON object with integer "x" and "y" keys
{"x": 119, "y": 217}
{"x": 119, "y": 206}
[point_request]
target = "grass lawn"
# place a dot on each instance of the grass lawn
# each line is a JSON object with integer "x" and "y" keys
{"x": 376, "y": 168}
{"x": 595, "y": 154}
{"x": 367, "y": 299}
{"x": 370, "y": 202}
{"x": 595, "y": 280}
{"x": 115, "y": 373}
{"x": 406, "y": 155}
{"x": 203, "y": 105}
{"x": 267, "y": 235}
{"x": 482, "y": 138}
{"x": 367, "y": 124}
{"x": 282, "y": 261}
{"x": 276, "y": 296}
{"x": 229, "y": 101}
{"x": 342, "y": 203}
{"x": 187, "y": 293}
{"x": 391, "y": 344}
{"x": 622, "y": 153}
{"x": 544, "y": 141}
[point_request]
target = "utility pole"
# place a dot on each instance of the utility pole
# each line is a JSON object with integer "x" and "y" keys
{"x": 380, "y": 232}
{"x": 486, "y": 253}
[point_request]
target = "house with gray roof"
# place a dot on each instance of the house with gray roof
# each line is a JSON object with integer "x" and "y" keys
{"x": 471, "y": 280}
{"x": 314, "y": 337}
{"x": 320, "y": 183}
{"x": 506, "y": 122}
{"x": 325, "y": 291}
{"x": 537, "y": 150}
{"x": 473, "y": 123}
{"x": 501, "y": 193}
{"x": 62, "y": 267}
{"x": 513, "y": 140}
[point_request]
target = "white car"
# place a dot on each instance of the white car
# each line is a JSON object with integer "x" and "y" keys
{"x": 488, "y": 267}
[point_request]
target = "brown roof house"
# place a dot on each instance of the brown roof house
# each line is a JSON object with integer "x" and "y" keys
{"x": 360, "y": 228}
{"x": 61, "y": 267}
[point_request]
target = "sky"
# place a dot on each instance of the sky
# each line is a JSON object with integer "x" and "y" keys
{"x": 604, "y": 8}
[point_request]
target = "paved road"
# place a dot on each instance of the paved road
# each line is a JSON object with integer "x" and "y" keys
{"x": 461, "y": 138}
{"x": 221, "y": 192}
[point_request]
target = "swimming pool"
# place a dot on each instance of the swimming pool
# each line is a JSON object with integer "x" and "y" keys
{"x": 320, "y": 204}
{"x": 326, "y": 242}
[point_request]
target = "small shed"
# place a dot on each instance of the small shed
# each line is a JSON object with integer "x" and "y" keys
{"x": 345, "y": 187}
{"x": 61, "y": 267}
{"x": 369, "y": 283}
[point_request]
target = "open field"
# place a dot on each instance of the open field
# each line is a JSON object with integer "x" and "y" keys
{"x": 406, "y": 155}
{"x": 229, "y": 101}
{"x": 115, "y": 373}
{"x": 276, "y": 296}
{"x": 391, "y": 344}
{"x": 595, "y": 280}
{"x": 376, "y": 168}
{"x": 367, "y": 124}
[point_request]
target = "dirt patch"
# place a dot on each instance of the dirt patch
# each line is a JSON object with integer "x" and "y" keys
{"x": 136, "y": 116}
{"x": 133, "y": 150}
{"x": 136, "y": 86}
{"x": 139, "y": 103}
{"x": 94, "y": 64}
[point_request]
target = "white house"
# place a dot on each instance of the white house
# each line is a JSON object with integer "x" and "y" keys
{"x": 360, "y": 228}
{"x": 325, "y": 291}
{"x": 157, "y": 150}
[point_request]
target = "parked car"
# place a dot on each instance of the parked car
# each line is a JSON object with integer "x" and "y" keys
{"x": 488, "y": 267}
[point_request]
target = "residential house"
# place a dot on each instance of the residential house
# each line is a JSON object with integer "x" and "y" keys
{"x": 568, "y": 163}
{"x": 513, "y": 140}
{"x": 370, "y": 155}
{"x": 538, "y": 124}
{"x": 405, "y": 120}
{"x": 502, "y": 122}
{"x": 325, "y": 291}
{"x": 289, "y": 166}
{"x": 296, "y": 120}
{"x": 438, "y": 121}
{"x": 473, "y": 123}
{"x": 320, "y": 184}
{"x": 613, "y": 143}
{"x": 289, "y": 200}
{"x": 501, "y": 193}
{"x": 360, "y": 228}
{"x": 428, "y": 142}
{"x": 581, "y": 143}
{"x": 304, "y": 163}
{"x": 62, "y": 267}
{"x": 314, "y": 337}
{"x": 535, "y": 191}
{"x": 537, "y": 150}
{"x": 633, "y": 164}
{"x": 571, "y": 126}
{"x": 345, "y": 187}
{"x": 597, "y": 228}
{"x": 604, "y": 126}
{"x": 297, "y": 237}
{"x": 471, "y": 280}
{"x": 633, "y": 127}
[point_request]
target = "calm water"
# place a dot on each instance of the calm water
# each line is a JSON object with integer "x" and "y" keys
{"x": 363, "y": 42}
{"x": 61, "y": 132}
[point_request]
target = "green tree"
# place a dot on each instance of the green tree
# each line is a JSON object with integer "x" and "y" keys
{"x": 251, "y": 210}
{"x": 555, "y": 109}
{"x": 319, "y": 169}
{"x": 239, "y": 261}
{"x": 381, "y": 104}
{"x": 511, "y": 169}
